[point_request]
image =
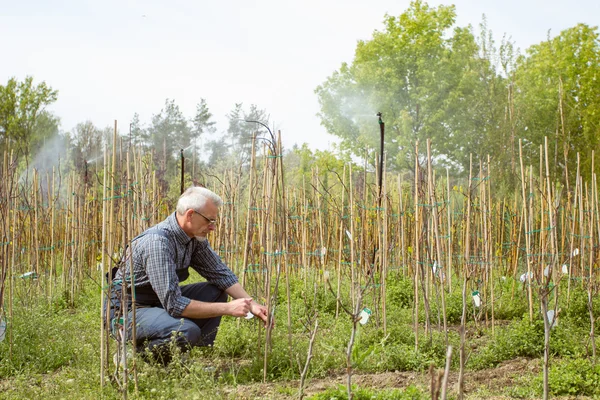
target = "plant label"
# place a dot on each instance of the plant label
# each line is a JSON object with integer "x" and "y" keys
{"x": 2, "y": 329}
{"x": 476, "y": 299}
{"x": 364, "y": 316}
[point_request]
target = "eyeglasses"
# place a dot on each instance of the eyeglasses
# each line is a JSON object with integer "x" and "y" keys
{"x": 210, "y": 221}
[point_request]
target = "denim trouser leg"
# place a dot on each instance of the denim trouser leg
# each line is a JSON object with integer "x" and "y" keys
{"x": 155, "y": 327}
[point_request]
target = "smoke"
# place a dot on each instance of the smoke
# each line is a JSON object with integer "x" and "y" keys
{"x": 52, "y": 153}
{"x": 358, "y": 109}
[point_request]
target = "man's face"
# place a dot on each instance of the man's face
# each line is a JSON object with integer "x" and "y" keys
{"x": 204, "y": 221}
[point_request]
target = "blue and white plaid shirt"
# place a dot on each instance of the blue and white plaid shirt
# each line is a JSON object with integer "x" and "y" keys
{"x": 157, "y": 258}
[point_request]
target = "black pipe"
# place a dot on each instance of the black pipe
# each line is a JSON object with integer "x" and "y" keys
{"x": 380, "y": 183}
{"x": 182, "y": 170}
{"x": 381, "y": 141}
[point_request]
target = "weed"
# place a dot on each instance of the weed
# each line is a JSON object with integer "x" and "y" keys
{"x": 341, "y": 393}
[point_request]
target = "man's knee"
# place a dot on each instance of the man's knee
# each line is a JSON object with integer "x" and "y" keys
{"x": 190, "y": 333}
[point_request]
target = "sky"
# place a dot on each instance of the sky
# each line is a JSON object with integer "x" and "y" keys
{"x": 110, "y": 59}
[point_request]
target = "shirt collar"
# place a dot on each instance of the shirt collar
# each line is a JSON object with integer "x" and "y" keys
{"x": 173, "y": 226}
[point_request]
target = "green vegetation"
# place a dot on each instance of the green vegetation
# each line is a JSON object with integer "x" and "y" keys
{"x": 308, "y": 229}
{"x": 56, "y": 352}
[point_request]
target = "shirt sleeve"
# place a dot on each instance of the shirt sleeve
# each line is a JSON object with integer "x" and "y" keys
{"x": 208, "y": 264}
{"x": 160, "y": 268}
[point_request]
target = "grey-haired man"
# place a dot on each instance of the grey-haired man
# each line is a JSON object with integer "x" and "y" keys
{"x": 161, "y": 257}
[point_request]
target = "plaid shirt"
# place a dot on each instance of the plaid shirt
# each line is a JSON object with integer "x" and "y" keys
{"x": 156, "y": 260}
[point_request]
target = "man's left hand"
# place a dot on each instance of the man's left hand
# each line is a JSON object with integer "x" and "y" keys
{"x": 259, "y": 310}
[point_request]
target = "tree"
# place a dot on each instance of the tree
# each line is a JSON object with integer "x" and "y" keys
{"x": 202, "y": 122}
{"x": 240, "y": 132}
{"x": 168, "y": 133}
{"x": 557, "y": 85}
{"x": 137, "y": 133}
{"x": 86, "y": 143}
{"x": 426, "y": 79}
{"x": 23, "y": 119}
{"x": 300, "y": 162}
{"x": 218, "y": 151}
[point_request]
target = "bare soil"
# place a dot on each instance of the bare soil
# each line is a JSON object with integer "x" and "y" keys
{"x": 484, "y": 384}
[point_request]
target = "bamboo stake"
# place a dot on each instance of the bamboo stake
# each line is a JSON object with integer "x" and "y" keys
{"x": 285, "y": 250}
{"x": 528, "y": 228}
{"x": 104, "y": 314}
{"x": 449, "y": 221}
{"x": 340, "y": 249}
{"x": 416, "y": 250}
{"x": 438, "y": 245}
{"x": 352, "y": 236}
{"x": 466, "y": 272}
{"x": 249, "y": 215}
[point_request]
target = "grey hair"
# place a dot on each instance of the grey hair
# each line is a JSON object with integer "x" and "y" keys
{"x": 195, "y": 198}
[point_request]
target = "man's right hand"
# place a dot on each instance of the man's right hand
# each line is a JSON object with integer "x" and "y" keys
{"x": 240, "y": 307}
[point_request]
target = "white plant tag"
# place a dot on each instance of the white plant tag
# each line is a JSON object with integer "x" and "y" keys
{"x": 476, "y": 299}
{"x": 2, "y": 329}
{"x": 565, "y": 269}
{"x": 364, "y": 316}
{"x": 29, "y": 275}
{"x": 575, "y": 252}
{"x": 524, "y": 277}
{"x": 553, "y": 322}
{"x": 547, "y": 270}
{"x": 249, "y": 315}
{"x": 442, "y": 277}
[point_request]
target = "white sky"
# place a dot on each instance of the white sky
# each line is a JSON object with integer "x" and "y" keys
{"x": 109, "y": 59}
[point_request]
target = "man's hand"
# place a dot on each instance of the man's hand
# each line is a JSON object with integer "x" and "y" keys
{"x": 240, "y": 307}
{"x": 237, "y": 292}
{"x": 259, "y": 310}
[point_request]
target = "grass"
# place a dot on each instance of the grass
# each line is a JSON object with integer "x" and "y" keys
{"x": 56, "y": 354}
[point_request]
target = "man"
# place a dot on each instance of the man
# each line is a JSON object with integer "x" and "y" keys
{"x": 161, "y": 256}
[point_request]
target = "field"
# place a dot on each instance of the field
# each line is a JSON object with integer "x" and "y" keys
{"x": 506, "y": 280}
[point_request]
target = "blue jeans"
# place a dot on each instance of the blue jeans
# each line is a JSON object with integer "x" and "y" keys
{"x": 155, "y": 328}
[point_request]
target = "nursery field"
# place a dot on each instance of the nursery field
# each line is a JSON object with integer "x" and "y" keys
{"x": 56, "y": 353}
{"x": 405, "y": 286}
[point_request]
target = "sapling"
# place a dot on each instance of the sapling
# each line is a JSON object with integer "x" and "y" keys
{"x": 446, "y": 372}
{"x": 309, "y": 357}
{"x": 355, "y": 317}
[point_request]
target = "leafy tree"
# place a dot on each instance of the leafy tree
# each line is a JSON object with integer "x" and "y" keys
{"x": 23, "y": 119}
{"x": 218, "y": 151}
{"x": 136, "y": 132}
{"x": 202, "y": 122}
{"x": 301, "y": 162}
{"x": 169, "y": 132}
{"x": 557, "y": 85}
{"x": 428, "y": 81}
{"x": 86, "y": 143}
{"x": 474, "y": 106}
{"x": 240, "y": 132}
